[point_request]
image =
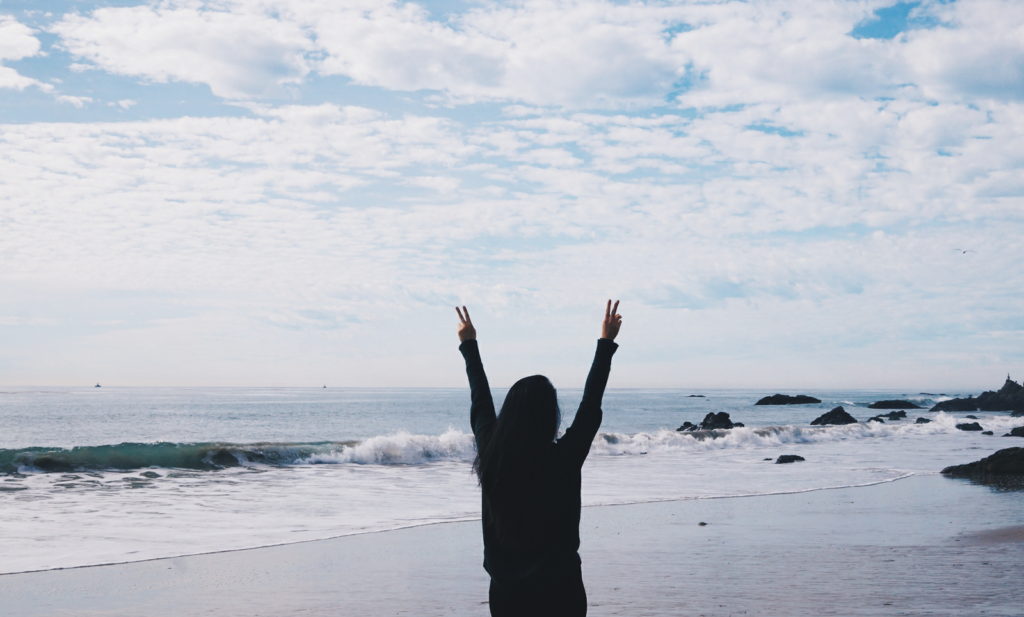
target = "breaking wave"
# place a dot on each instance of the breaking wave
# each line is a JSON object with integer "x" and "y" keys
{"x": 410, "y": 449}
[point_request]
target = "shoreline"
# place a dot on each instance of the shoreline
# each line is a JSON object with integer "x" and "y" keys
{"x": 456, "y": 520}
{"x": 889, "y": 548}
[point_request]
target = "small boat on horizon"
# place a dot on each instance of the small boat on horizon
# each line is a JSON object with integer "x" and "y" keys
{"x": 97, "y": 386}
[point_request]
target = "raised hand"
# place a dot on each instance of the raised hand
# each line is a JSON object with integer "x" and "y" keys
{"x": 612, "y": 321}
{"x": 466, "y": 330}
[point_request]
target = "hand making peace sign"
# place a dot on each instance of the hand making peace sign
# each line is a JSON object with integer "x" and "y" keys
{"x": 612, "y": 321}
{"x": 466, "y": 330}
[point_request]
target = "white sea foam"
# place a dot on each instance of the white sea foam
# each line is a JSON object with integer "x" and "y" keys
{"x": 401, "y": 448}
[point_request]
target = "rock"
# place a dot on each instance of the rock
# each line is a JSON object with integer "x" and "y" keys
{"x": 957, "y": 404}
{"x": 1015, "y": 432}
{"x": 767, "y": 459}
{"x": 1004, "y": 462}
{"x": 1008, "y": 398}
{"x": 695, "y": 396}
{"x": 785, "y": 399}
{"x": 894, "y": 415}
{"x": 149, "y": 474}
{"x": 876, "y": 419}
{"x": 702, "y": 524}
{"x": 971, "y": 417}
{"x": 893, "y": 404}
{"x": 922, "y": 421}
{"x": 1018, "y": 413}
{"x": 969, "y": 426}
{"x": 716, "y": 420}
{"x": 688, "y": 426}
{"x": 987, "y": 433}
{"x": 788, "y": 458}
{"x": 836, "y": 416}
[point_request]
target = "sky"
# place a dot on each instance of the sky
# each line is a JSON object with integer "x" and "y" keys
{"x": 783, "y": 194}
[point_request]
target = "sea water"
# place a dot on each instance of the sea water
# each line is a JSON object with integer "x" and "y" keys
{"x": 107, "y": 475}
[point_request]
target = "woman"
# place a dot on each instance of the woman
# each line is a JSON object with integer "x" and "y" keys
{"x": 531, "y": 482}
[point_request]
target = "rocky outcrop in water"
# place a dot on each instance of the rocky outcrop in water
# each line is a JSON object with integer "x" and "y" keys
{"x": 969, "y": 426}
{"x": 922, "y": 421}
{"x": 1008, "y": 398}
{"x": 894, "y": 415}
{"x": 786, "y": 399}
{"x": 711, "y": 421}
{"x": 718, "y": 420}
{"x": 1015, "y": 432}
{"x": 893, "y": 404}
{"x": 876, "y": 419}
{"x": 1004, "y": 462}
{"x": 789, "y": 458}
{"x": 836, "y": 416}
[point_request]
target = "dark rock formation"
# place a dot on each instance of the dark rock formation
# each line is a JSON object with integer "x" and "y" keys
{"x": 971, "y": 417}
{"x": 1015, "y": 432}
{"x": 1008, "y": 398}
{"x": 836, "y": 416}
{"x": 785, "y": 399}
{"x": 717, "y": 420}
{"x": 695, "y": 396}
{"x": 1004, "y": 462}
{"x": 922, "y": 421}
{"x": 710, "y": 422}
{"x": 876, "y": 419}
{"x": 969, "y": 426}
{"x": 894, "y": 415}
{"x": 892, "y": 404}
{"x": 788, "y": 458}
{"x": 987, "y": 433}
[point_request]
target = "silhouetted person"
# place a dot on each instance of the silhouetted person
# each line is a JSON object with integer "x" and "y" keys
{"x": 531, "y": 483}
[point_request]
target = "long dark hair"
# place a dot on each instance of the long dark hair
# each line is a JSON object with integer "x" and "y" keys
{"x": 511, "y": 467}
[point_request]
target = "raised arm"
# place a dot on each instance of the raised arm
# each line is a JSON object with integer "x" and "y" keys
{"x": 581, "y": 433}
{"x": 481, "y": 410}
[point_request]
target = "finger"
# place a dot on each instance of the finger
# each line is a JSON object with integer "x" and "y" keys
{"x": 615, "y": 308}
{"x": 608, "y": 310}
{"x": 461, "y": 318}
{"x": 469, "y": 319}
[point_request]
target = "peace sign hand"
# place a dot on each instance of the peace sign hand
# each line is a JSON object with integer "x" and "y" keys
{"x": 612, "y": 321}
{"x": 466, "y": 330}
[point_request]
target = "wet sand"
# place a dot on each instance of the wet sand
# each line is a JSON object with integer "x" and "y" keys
{"x": 926, "y": 545}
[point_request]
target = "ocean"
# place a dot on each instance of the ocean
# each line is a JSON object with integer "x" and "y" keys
{"x": 110, "y": 475}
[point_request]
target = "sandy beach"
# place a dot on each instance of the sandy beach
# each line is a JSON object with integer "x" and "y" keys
{"x": 925, "y": 545}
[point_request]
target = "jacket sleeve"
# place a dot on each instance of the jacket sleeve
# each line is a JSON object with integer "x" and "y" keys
{"x": 481, "y": 410}
{"x": 578, "y": 437}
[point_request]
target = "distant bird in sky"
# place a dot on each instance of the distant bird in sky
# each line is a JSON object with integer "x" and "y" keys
{"x": 965, "y": 251}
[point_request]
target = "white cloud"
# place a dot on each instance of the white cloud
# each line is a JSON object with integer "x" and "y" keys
{"x": 238, "y": 55}
{"x": 17, "y": 42}
{"x": 566, "y": 53}
{"x": 978, "y": 52}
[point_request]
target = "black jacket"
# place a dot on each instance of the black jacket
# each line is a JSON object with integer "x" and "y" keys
{"x": 558, "y": 539}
